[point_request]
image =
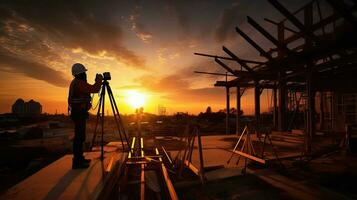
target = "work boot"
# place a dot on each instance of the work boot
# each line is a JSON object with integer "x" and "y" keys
{"x": 80, "y": 164}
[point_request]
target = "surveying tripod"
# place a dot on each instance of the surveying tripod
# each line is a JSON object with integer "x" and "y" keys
{"x": 100, "y": 117}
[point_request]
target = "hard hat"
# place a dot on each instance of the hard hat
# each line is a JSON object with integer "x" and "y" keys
{"x": 78, "y": 68}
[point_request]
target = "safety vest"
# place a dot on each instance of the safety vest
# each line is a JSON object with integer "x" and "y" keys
{"x": 76, "y": 102}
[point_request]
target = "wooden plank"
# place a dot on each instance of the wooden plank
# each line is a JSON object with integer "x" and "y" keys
{"x": 192, "y": 167}
{"x": 167, "y": 155}
{"x": 110, "y": 164}
{"x": 259, "y": 160}
{"x": 170, "y": 186}
{"x": 202, "y": 167}
{"x": 142, "y": 182}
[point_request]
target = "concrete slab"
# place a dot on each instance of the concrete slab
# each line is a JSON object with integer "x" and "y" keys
{"x": 60, "y": 181}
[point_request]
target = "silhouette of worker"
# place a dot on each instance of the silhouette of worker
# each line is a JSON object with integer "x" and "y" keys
{"x": 79, "y": 102}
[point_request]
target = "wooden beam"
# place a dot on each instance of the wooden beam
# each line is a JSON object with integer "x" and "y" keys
{"x": 226, "y": 67}
{"x": 213, "y": 73}
{"x": 200, "y": 154}
{"x": 293, "y": 19}
{"x": 268, "y": 35}
{"x": 142, "y": 182}
{"x": 243, "y": 64}
{"x": 257, "y": 104}
{"x": 277, "y": 23}
{"x": 341, "y": 8}
{"x": 254, "y": 158}
{"x": 192, "y": 167}
{"x": 170, "y": 186}
{"x": 313, "y": 28}
{"x": 228, "y": 58}
{"x": 227, "y": 110}
{"x": 254, "y": 44}
{"x": 238, "y": 110}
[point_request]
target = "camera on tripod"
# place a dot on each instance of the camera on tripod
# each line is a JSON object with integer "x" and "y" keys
{"x": 106, "y": 76}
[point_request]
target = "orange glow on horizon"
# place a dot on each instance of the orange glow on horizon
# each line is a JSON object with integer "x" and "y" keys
{"x": 136, "y": 99}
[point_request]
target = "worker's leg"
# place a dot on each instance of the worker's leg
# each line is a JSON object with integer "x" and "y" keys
{"x": 79, "y": 138}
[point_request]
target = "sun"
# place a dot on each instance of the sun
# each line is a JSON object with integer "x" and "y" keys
{"x": 136, "y": 99}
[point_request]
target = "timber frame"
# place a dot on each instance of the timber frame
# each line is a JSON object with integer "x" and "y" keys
{"x": 317, "y": 55}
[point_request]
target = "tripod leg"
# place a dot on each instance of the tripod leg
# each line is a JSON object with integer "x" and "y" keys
{"x": 118, "y": 114}
{"x": 116, "y": 120}
{"x": 97, "y": 121}
{"x": 102, "y": 138}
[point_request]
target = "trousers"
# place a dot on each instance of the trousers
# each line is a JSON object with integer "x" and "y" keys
{"x": 79, "y": 139}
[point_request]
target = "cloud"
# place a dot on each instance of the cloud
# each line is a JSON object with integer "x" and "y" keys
{"x": 89, "y": 25}
{"x": 167, "y": 84}
{"x": 200, "y": 95}
{"x": 10, "y": 63}
{"x": 178, "y": 8}
{"x": 139, "y": 28}
{"x": 229, "y": 18}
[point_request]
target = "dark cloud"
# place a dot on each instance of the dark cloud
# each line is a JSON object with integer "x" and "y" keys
{"x": 89, "y": 25}
{"x": 180, "y": 10}
{"x": 32, "y": 69}
{"x": 138, "y": 27}
{"x": 229, "y": 18}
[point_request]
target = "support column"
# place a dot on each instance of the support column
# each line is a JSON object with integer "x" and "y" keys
{"x": 257, "y": 106}
{"x": 282, "y": 84}
{"x": 282, "y": 107}
{"x": 227, "y": 110}
{"x": 310, "y": 122}
{"x": 322, "y": 111}
{"x": 275, "y": 108}
{"x": 238, "y": 111}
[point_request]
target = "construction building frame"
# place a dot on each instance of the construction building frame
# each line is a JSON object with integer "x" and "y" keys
{"x": 317, "y": 56}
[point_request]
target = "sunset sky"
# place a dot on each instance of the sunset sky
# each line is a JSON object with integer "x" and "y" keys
{"x": 147, "y": 46}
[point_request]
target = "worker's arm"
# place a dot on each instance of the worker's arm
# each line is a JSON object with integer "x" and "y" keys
{"x": 88, "y": 88}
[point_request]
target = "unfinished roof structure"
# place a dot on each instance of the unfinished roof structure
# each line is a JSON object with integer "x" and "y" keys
{"x": 317, "y": 56}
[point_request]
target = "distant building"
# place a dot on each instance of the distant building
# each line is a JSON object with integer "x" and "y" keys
{"x": 22, "y": 108}
{"x": 18, "y": 108}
